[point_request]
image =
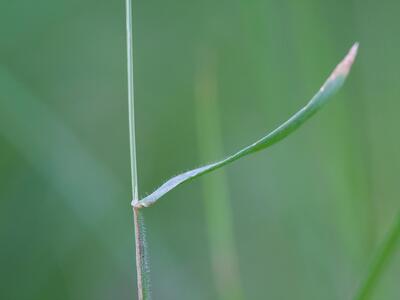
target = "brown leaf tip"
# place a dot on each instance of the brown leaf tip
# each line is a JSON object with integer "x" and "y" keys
{"x": 343, "y": 68}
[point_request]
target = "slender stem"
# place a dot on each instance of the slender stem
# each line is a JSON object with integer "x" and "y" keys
{"x": 142, "y": 268}
{"x": 131, "y": 101}
{"x": 140, "y": 241}
{"x": 138, "y": 255}
{"x": 381, "y": 261}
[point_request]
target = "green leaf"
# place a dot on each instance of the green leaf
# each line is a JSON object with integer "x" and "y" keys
{"x": 384, "y": 255}
{"x": 331, "y": 85}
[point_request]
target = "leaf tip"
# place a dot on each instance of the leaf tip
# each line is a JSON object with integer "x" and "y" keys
{"x": 344, "y": 67}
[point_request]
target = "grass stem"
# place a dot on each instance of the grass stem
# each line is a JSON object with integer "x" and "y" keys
{"x": 140, "y": 241}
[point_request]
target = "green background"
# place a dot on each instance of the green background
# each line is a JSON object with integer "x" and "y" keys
{"x": 308, "y": 213}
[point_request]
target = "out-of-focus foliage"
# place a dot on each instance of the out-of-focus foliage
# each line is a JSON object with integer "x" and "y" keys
{"x": 306, "y": 223}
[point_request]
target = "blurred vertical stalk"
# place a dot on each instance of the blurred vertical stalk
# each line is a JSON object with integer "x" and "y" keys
{"x": 384, "y": 255}
{"x": 140, "y": 238}
{"x": 216, "y": 199}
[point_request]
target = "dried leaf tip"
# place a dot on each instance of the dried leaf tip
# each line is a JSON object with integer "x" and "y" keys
{"x": 344, "y": 67}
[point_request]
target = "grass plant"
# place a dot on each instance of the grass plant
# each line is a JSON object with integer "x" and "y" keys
{"x": 212, "y": 190}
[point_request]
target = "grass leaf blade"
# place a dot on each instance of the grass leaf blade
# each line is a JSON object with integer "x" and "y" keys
{"x": 382, "y": 258}
{"x": 331, "y": 85}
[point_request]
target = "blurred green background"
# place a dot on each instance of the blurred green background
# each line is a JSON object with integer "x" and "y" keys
{"x": 307, "y": 214}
